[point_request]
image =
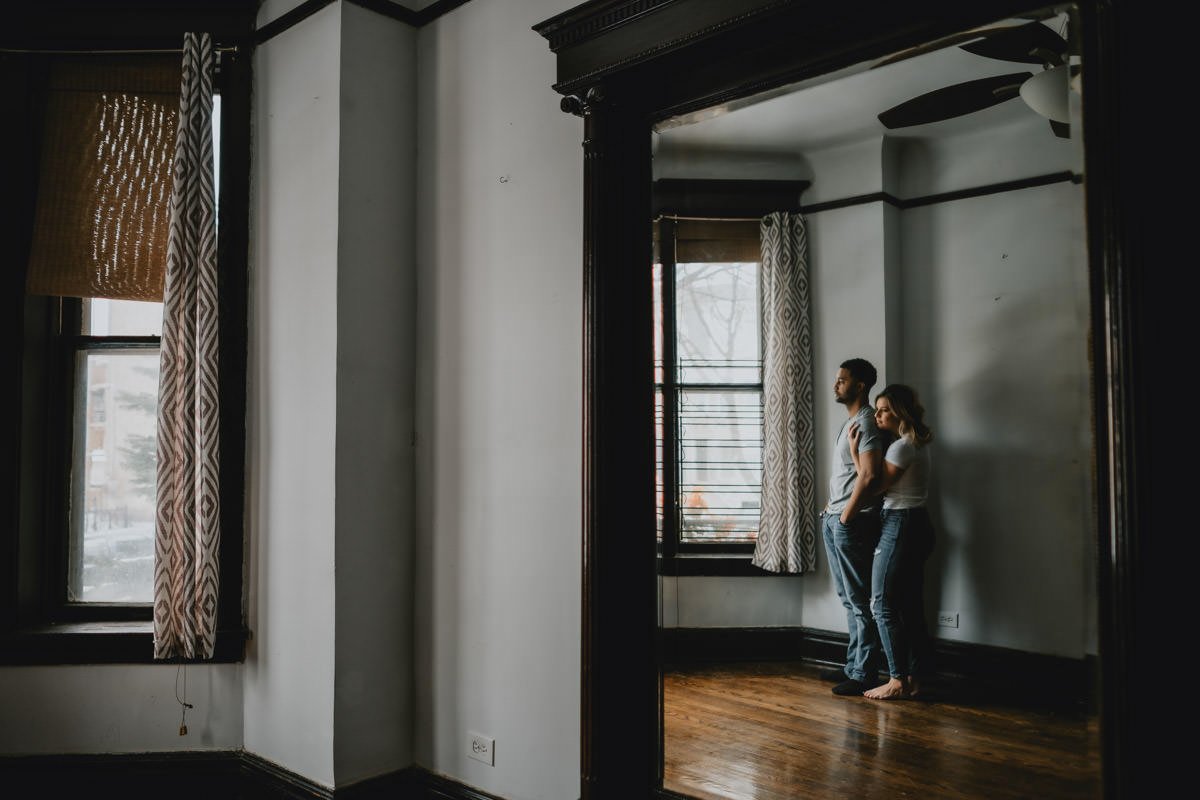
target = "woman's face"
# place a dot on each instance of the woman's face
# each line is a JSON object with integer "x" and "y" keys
{"x": 885, "y": 418}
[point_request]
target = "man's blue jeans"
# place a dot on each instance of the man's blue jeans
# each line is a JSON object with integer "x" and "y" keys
{"x": 850, "y": 549}
{"x": 898, "y": 589}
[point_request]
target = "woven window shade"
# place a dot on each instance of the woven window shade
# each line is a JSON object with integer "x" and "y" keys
{"x": 100, "y": 228}
{"x": 709, "y": 241}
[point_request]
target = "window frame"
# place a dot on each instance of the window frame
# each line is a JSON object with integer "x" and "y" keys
{"x": 62, "y": 442}
{"x": 717, "y": 200}
{"x": 673, "y": 544}
{"x": 37, "y": 624}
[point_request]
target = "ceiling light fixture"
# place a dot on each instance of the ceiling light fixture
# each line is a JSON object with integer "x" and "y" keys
{"x": 1046, "y": 93}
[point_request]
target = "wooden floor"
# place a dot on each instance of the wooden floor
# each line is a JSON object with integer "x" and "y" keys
{"x": 767, "y": 731}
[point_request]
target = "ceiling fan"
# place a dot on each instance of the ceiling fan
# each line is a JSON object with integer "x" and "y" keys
{"x": 1031, "y": 43}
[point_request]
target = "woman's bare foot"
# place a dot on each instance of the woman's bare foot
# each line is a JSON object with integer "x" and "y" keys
{"x": 912, "y": 686}
{"x": 894, "y": 689}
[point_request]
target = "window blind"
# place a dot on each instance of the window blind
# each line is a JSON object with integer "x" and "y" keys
{"x": 102, "y": 214}
{"x": 714, "y": 241}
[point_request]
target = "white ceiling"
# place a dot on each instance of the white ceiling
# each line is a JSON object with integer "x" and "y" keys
{"x": 844, "y": 109}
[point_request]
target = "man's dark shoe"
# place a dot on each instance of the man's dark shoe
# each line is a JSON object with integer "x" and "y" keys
{"x": 833, "y": 674}
{"x": 851, "y": 687}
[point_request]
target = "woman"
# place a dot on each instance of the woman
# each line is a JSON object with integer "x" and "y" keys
{"x": 905, "y": 542}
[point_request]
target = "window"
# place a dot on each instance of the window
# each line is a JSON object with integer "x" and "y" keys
{"x": 79, "y": 548}
{"x": 111, "y": 467}
{"x": 708, "y": 385}
{"x": 111, "y": 347}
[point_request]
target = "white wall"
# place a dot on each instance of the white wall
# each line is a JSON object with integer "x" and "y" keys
{"x": 376, "y": 330}
{"x": 289, "y": 672}
{"x": 995, "y": 302}
{"x": 118, "y": 708}
{"x": 498, "y": 403}
{"x": 1021, "y": 149}
{"x": 846, "y": 262}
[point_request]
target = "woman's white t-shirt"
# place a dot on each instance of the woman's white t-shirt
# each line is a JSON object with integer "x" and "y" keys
{"x": 912, "y": 489}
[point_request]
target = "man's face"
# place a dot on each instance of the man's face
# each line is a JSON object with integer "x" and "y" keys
{"x": 845, "y": 388}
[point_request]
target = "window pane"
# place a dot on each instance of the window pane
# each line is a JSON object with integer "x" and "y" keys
{"x": 113, "y": 477}
{"x": 103, "y": 317}
{"x": 720, "y": 465}
{"x": 717, "y": 321}
{"x": 658, "y": 325}
{"x": 658, "y": 461}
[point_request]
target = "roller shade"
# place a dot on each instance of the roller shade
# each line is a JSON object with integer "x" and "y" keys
{"x": 709, "y": 241}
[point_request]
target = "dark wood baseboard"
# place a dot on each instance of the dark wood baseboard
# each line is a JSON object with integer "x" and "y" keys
{"x": 232, "y": 774}
{"x": 962, "y": 669}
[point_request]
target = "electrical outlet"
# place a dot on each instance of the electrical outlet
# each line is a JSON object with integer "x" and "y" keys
{"x": 948, "y": 619}
{"x": 482, "y": 748}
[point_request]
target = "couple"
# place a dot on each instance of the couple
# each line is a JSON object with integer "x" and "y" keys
{"x": 877, "y": 557}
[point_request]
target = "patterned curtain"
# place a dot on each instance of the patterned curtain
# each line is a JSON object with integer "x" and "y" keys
{"x": 787, "y": 532}
{"x": 187, "y": 530}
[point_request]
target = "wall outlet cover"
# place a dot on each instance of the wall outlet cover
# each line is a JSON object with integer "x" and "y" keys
{"x": 948, "y": 619}
{"x": 482, "y": 748}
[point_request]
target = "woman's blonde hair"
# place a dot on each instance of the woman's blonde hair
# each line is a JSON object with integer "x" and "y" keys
{"x": 905, "y": 405}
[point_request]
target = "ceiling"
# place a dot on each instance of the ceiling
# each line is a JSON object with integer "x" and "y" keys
{"x": 844, "y": 109}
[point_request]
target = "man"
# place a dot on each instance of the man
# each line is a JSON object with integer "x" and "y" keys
{"x": 850, "y": 522}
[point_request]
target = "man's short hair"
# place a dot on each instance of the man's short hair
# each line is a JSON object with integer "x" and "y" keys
{"x": 862, "y": 371}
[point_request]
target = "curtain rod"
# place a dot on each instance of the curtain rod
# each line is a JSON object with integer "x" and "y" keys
{"x": 707, "y": 219}
{"x": 224, "y": 49}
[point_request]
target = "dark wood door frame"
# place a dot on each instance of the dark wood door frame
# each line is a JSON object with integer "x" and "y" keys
{"x": 626, "y": 64}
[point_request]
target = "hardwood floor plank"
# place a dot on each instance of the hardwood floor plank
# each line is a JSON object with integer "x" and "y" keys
{"x": 774, "y": 731}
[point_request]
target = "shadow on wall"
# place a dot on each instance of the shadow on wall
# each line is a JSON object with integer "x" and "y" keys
{"x": 1011, "y": 493}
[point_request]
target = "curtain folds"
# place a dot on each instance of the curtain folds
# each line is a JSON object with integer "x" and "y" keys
{"x": 787, "y": 533}
{"x": 187, "y": 528}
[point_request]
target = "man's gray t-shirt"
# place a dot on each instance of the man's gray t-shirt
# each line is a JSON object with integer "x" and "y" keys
{"x": 843, "y": 474}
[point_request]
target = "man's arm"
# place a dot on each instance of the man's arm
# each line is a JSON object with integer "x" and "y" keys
{"x": 866, "y": 484}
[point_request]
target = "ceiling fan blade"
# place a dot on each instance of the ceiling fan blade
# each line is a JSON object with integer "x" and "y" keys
{"x": 954, "y": 101}
{"x": 964, "y": 36}
{"x": 1061, "y": 129}
{"x": 1028, "y": 44}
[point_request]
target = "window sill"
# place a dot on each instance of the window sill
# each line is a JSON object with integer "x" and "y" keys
{"x": 713, "y": 564}
{"x": 103, "y": 643}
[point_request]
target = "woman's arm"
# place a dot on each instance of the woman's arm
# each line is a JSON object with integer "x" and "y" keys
{"x": 891, "y": 474}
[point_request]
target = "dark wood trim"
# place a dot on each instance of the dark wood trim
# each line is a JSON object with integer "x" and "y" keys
{"x": 943, "y": 197}
{"x": 434, "y": 10}
{"x": 122, "y": 642}
{"x": 992, "y": 188}
{"x": 670, "y": 393}
{"x": 856, "y": 200}
{"x": 233, "y": 248}
{"x": 124, "y": 24}
{"x": 289, "y": 20}
{"x": 657, "y": 60}
{"x": 712, "y": 565}
{"x": 725, "y": 198}
{"x": 387, "y": 8}
{"x": 266, "y": 776}
{"x": 619, "y": 745}
{"x": 963, "y": 669}
{"x": 212, "y": 773}
{"x": 194, "y": 774}
{"x": 440, "y": 787}
{"x": 416, "y": 19}
{"x": 586, "y": 54}
{"x": 392, "y": 10}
